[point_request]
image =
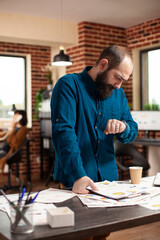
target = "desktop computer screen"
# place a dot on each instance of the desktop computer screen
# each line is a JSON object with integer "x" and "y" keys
{"x": 147, "y": 120}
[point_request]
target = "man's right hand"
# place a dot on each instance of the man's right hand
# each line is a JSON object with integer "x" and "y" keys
{"x": 81, "y": 184}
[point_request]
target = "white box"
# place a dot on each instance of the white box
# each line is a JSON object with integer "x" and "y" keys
{"x": 60, "y": 217}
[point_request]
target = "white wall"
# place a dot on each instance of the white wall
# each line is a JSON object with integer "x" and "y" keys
{"x": 34, "y": 30}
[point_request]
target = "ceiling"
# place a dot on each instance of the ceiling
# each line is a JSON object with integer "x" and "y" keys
{"x": 122, "y": 13}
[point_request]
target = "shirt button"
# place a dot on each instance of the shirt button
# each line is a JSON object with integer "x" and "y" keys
{"x": 100, "y": 113}
{"x": 98, "y": 141}
{"x": 95, "y": 127}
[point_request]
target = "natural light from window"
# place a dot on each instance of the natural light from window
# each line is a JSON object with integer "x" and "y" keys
{"x": 154, "y": 76}
{"x": 12, "y": 84}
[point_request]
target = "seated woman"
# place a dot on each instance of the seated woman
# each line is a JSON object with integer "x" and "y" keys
{"x": 16, "y": 136}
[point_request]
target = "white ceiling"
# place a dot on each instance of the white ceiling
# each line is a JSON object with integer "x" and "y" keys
{"x": 122, "y": 13}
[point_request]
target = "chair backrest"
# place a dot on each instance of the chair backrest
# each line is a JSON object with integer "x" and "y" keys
{"x": 124, "y": 149}
{"x": 129, "y": 150}
{"x": 15, "y": 157}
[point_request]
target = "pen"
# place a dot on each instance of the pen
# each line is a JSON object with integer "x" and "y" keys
{"x": 22, "y": 195}
{"x": 137, "y": 194}
{"x": 16, "y": 209}
{"x": 11, "y": 203}
{"x": 33, "y": 199}
{"x": 27, "y": 199}
{"x": 20, "y": 189}
{"x": 18, "y": 215}
{"x": 24, "y": 209}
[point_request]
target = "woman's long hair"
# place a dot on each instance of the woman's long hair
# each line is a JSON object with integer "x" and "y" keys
{"x": 23, "y": 121}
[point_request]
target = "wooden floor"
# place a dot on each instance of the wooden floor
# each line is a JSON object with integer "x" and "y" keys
{"x": 145, "y": 232}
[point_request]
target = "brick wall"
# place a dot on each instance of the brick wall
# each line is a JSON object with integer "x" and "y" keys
{"x": 92, "y": 39}
{"x": 40, "y": 57}
{"x": 145, "y": 34}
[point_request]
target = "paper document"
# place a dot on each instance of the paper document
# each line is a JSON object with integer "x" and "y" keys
{"x": 141, "y": 194}
{"x": 112, "y": 190}
{"x": 53, "y": 195}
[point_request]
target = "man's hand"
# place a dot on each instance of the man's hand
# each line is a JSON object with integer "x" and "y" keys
{"x": 81, "y": 184}
{"x": 114, "y": 126}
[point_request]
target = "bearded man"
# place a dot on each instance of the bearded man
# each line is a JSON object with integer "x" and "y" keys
{"x": 87, "y": 110}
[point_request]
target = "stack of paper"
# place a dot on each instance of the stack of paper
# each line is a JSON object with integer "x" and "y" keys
{"x": 115, "y": 194}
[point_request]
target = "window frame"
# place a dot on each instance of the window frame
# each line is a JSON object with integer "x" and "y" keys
{"x": 141, "y": 72}
{"x": 27, "y": 86}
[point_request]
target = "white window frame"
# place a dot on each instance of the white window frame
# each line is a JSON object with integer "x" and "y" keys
{"x": 28, "y": 109}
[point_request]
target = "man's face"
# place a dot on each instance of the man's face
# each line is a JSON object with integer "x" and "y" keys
{"x": 110, "y": 79}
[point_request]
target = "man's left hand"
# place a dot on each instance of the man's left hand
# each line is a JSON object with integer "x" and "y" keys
{"x": 114, "y": 126}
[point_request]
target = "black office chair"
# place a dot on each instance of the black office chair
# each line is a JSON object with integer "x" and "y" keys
{"x": 16, "y": 158}
{"x": 52, "y": 163}
{"x": 128, "y": 150}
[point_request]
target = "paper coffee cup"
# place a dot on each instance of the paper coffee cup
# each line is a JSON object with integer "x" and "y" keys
{"x": 135, "y": 174}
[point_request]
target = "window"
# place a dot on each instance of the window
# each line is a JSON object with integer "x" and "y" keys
{"x": 12, "y": 84}
{"x": 15, "y": 86}
{"x": 150, "y": 97}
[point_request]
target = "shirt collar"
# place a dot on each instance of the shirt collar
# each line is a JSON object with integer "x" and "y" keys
{"x": 87, "y": 77}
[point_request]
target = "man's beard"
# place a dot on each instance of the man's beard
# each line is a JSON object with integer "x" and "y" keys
{"x": 104, "y": 88}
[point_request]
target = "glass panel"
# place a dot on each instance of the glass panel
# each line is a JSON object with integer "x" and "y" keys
{"x": 12, "y": 84}
{"x": 154, "y": 76}
{"x": 150, "y": 79}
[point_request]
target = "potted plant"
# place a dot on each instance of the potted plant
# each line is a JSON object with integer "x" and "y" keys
{"x": 39, "y": 99}
{"x": 48, "y": 70}
{"x": 152, "y": 107}
{"x": 49, "y": 75}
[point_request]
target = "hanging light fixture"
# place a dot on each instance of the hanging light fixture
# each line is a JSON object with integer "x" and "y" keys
{"x": 61, "y": 59}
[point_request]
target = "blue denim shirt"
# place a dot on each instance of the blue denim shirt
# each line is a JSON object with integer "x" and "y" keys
{"x": 79, "y": 118}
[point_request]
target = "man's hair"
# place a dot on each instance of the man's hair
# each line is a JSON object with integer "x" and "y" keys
{"x": 114, "y": 54}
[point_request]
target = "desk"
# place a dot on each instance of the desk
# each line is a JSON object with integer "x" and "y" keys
{"x": 88, "y": 222}
{"x": 147, "y": 142}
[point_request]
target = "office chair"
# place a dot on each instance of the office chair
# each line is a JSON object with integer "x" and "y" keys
{"x": 128, "y": 150}
{"x": 52, "y": 163}
{"x": 16, "y": 158}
